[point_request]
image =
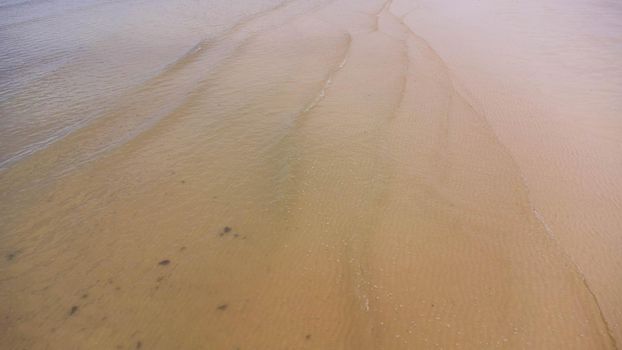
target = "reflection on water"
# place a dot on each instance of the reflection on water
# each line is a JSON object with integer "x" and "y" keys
{"x": 329, "y": 174}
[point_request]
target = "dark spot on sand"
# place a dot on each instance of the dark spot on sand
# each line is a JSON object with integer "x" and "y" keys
{"x": 308, "y": 336}
{"x": 225, "y": 230}
{"x": 160, "y": 279}
{"x": 164, "y": 262}
{"x": 10, "y": 256}
{"x": 84, "y": 296}
{"x": 235, "y": 235}
{"x": 183, "y": 181}
{"x": 223, "y": 307}
{"x": 139, "y": 344}
{"x": 118, "y": 288}
{"x": 73, "y": 310}
{"x": 432, "y": 305}
{"x": 182, "y": 249}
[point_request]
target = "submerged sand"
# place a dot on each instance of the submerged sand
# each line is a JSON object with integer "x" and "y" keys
{"x": 335, "y": 175}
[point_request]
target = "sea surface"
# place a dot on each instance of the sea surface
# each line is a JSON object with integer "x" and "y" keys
{"x": 310, "y": 174}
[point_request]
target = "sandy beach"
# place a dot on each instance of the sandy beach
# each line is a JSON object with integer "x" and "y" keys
{"x": 326, "y": 174}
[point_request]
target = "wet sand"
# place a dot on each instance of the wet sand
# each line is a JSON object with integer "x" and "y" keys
{"x": 334, "y": 175}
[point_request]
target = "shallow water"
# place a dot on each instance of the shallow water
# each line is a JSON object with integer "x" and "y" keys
{"x": 330, "y": 174}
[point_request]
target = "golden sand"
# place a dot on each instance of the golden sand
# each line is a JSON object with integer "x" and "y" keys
{"x": 322, "y": 176}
